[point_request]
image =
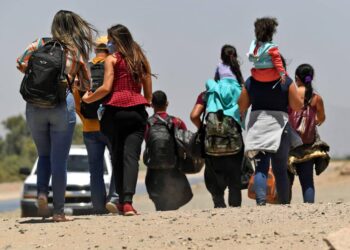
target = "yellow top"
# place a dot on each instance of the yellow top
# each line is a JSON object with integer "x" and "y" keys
{"x": 89, "y": 125}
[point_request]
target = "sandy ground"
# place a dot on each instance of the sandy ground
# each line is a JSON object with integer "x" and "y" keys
{"x": 10, "y": 191}
{"x": 197, "y": 225}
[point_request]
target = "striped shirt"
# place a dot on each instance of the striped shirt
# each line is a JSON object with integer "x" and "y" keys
{"x": 76, "y": 66}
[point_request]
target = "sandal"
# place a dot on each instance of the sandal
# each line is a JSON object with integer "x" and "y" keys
{"x": 61, "y": 218}
{"x": 43, "y": 208}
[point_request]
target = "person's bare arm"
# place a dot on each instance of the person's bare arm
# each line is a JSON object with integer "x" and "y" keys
{"x": 243, "y": 102}
{"x": 107, "y": 85}
{"x": 196, "y": 113}
{"x": 320, "y": 115}
{"x": 294, "y": 99}
{"x": 147, "y": 85}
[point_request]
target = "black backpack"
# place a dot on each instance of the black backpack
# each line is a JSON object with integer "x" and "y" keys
{"x": 97, "y": 74}
{"x": 160, "y": 152}
{"x": 45, "y": 83}
{"x": 89, "y": 110}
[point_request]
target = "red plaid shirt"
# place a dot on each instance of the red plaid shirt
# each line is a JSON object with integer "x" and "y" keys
{"x": 126, "y": 92}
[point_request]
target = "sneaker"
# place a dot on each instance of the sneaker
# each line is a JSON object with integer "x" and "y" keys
{"x": 114, "y": 207}
{"x": 219, "y": 201}
{"x": 43, "y": 208}
{"x": 129, "y": 210}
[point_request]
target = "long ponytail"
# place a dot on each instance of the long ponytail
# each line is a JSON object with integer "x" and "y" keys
{"x": 229, "y": 58}
{"x": 305, "y": 73}
{"x": 131, "y": 51}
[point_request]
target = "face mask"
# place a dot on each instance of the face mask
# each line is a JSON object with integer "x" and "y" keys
{"x": 111, "y": 47}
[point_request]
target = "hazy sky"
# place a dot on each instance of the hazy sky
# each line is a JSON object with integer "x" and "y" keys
{"x": 183, "y": 39}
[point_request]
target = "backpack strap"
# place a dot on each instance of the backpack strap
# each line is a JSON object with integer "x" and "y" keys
{"x": 63, "y": 76}
{"x": 47, "y": 39}
{"x": 151, "y": 121}
{"x": 167, "y": 120}
{"x": 201, "y": 128}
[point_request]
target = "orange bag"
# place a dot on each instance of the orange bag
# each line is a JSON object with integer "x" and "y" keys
{"x": 271, "y": 193}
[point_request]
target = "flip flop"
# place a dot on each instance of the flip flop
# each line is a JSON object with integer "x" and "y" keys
{"x": 43, "y": 208}
{"x": 61, "y": 218}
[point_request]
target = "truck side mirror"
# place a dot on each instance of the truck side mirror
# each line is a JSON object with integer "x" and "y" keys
{"x": 24, "y": 171}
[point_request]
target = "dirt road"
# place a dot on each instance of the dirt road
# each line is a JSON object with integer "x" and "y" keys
{"x": 197, "y": 226}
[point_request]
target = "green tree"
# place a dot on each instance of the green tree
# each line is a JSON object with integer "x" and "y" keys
{"x": 16, "y": 150}
{"x": 17, "y": 134}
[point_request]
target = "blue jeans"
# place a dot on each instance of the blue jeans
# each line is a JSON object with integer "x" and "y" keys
{"x": 52, "y": 130}
{"x": 279, "y": 161}
{"x": 305, "y": 172}
{"x": 96, "y": 143}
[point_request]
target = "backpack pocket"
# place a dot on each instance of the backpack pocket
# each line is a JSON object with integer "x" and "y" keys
{"x": 222, "y": 135}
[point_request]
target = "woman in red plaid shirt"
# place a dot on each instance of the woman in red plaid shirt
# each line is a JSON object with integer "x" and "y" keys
{"x": 124, "y": 120}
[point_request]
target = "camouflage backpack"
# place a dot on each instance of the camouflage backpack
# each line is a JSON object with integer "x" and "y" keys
{"x": 222, "y": 135}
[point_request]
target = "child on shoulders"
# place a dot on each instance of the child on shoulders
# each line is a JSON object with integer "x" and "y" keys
{"x": 264, "y": 53}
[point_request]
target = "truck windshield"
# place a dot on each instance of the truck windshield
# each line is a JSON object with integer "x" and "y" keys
{"x": 80, "y": 163}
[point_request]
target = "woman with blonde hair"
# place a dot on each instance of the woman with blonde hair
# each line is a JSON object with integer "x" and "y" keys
{"x": 52, "y": 128}
{"x": 124, "y": 120}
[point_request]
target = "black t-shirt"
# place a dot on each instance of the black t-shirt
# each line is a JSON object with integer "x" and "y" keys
{"x": 268, "y": 95}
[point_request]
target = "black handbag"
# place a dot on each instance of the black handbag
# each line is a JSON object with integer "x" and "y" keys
{"x": 89, "y": 110}
{"x": 197, "y": 149}
{"x": 188, "y": 162}
{"x": 247, "y": 171}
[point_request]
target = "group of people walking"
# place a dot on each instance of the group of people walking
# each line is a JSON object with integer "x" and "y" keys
{"x": 60, "y": 82}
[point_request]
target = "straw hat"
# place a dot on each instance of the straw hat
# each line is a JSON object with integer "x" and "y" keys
{"x": 101, "y": 42}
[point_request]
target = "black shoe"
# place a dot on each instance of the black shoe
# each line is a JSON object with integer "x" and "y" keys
{"x": 219, "y": 202}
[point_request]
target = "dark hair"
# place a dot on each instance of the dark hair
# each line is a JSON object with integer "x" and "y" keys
{"x": 72, "y": 30}
{"x": 131, "y": 51}
{"x": 101, "y": 48}
{"x": 229, "y": 58}
{"x": 305, "y": 72}
{"x": 159, "y": 99}
{"x": 265, "y": 28}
